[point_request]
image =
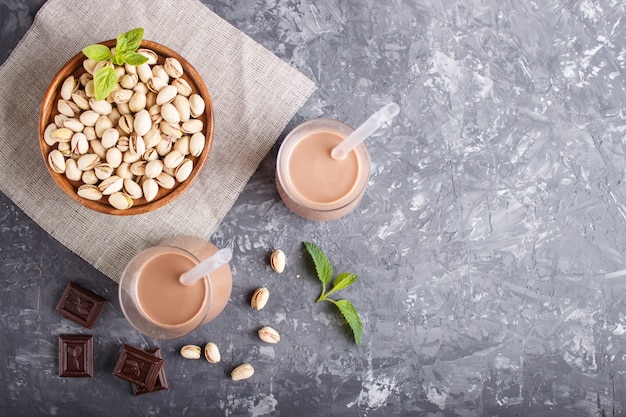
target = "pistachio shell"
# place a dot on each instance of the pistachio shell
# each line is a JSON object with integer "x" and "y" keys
{"x": 137, "y": 101}
{"x": 182, "y": 87}
{"x": 56, "y": 160}
{"x": 152, "y": 137}
{"x": 136, "y": 145}
{"x": 114, "y": 157}
{"x": 150, "y": 54}
{"x": 129, "y": 81}
{"x": 278, "y": 260}
{"x": 173, "y": 67}
{"x": 110, "y": 137}
{"x": 89, "y": 118}
{"x": 103, "y": 124}
{"x": 166, "y": 95}
{"x": 190, "y": 352}
{"x": 173, "y": 159}
{"x": 212, "y": 353}
{"x": 89, "y": 178}
{"x": 47, "y": 134}
{"x": 71, "y": 170}
{"x": 142, "y": 123}
{"x": 259, "y": 298}
{"x": 69, "y": 86}
{"x": 170, "y": 113}
{"x": 158, "y": 71}
{"x": 111, "y": 185}
{"x": 125, "y": 123}
{"x": 144, "y": 72}
{"x": 90, "y": 192}
{"x": 165, "y": 180}
{"x": 243, "y": 371}
{"x": 150, "y": 189}
{"x": 192, "y": 126}
{"x": 120, "y": 201}
{"x": 103, "y": 171}
{"x": 97, "y": 148}
{"x": 170, "y": 129}
{"x": 133, "y": 189}
{"x": 79, "y": 144}
{"x": 153, "y": 168}
{"x": 62, "y": 135}
{"x": 123, "y": 171}
{"x": 184, "y": 170}
{"x": 196, "y": 144}
{"x": 196, "y": 102}
{"x": 156, "y": 84}
{"x": 102, "y": 107}
{"x": 73, "y": 124}
{"x": 182, "y": 106}
{"x": 122, "y": 96}
{"x": 138, "y": 168}
{"x": 182, "y": 145}
{"x": 88, "y": 162}
{"x": 67, "y": 108}
{"x": 269, "y": 335}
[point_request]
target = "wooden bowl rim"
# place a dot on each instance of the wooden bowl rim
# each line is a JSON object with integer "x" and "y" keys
{"x": 48, "y": 111}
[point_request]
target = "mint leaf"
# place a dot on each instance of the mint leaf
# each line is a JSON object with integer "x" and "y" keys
{"x": 352, "y": 317}
{"x": 104, "y": 82}
{"x": 322, "y": 264}
{"x": 133, "y": 58}
{"x": 342, "y": 281}
{"x": 129, "y": 41}
{"x": 97, "y": 52}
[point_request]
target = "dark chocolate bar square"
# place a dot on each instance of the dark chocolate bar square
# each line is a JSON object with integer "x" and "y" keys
{"x": 80, "y": 305}
{"x": 139, "y": 367}
{"x": 161, "y": 381}
{"x": 75, "y": 355}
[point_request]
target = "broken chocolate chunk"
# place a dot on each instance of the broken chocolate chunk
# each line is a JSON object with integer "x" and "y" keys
{"x": 80, "y": 305}
{"x": 75, "y": 355}
{"x": 139, "y": 367}
{"x": 161, "y": 381}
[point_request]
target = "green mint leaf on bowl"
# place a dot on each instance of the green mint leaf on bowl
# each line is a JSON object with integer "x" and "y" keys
{"x": 352, "y": 317}
{"x": 129, "y": 41}
{"x": 104, "y": 82}
{"x": 322, "y": 264}
{"x": 97, "y": 52}
{"x": 325, "y": 274}
{"x": 105, "y": 78}
{"x": 133, "y": 58}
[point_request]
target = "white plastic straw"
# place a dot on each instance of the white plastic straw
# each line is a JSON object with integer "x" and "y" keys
{"x": 207, "y": 266}
{"x": 372, "y": 124}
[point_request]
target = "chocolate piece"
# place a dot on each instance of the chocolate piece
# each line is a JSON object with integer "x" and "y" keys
{"x": 75, "y": 355}
{"x": 139, "y": 367}
{"x": 161, "y": 381}
{"x": 80, "y": 305}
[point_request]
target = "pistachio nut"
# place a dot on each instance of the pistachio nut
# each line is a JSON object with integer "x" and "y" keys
{"x": 192, "y": 126}
{"x": 173, "y": 67}
{"x": 90, "y": 192}
{"x": 56, "y": 160}
{"x": 243, "y": 371}
{"x": 133, "y": 189}
{"x": 212, "y": 353}
{"x": 71, "y": 170}
{"x": 197, "y": 105}
{"x": 278, "y": 260}
{"x": 120, "y": 201}
{"x": 184, "y": 170}
{"x": 153, "y": 168}
{"x": 165, "y": 180}
{"x": 169, "y": 113}
{"x": 269, "y": 335}
{"x": 150, "y": 189}
{"x": 259, "y": 298}
{"x": 190, "y": 352}
{"x": 166, "y": 95}
{"x": 69, "y": 86}
{"x": 196, "y": 144}
{"x": 114, "y": 157}
{"x": 182, "y": 87}
{"x": 89, "y": 178}
{"x": 111, "y": 185}
{"x": 88, "y": 161}
{"x": 143, "y": 122}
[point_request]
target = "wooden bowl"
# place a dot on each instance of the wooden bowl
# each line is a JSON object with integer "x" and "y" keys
{"x": 49, "y": 110}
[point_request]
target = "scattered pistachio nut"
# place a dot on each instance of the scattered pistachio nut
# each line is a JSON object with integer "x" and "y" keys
{"x": 259, "y": 298}
{"x": 243, "y": 371}
{"x": 269, "y": 335}
{"x": 190, "y": 352}
{"x": 277, "y": 260}
{"x": 212, "y": 353}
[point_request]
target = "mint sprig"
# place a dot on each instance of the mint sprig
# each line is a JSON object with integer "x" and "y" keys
{"x": 126, "y": 46}
{"x": 325, "y": 274}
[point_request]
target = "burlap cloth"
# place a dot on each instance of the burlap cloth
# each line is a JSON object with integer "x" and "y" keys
{"x": 255, "y": 95}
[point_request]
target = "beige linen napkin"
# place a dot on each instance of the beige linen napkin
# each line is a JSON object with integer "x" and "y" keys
{"x": 255, "y": 95}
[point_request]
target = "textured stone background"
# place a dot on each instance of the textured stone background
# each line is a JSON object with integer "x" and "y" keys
{"x": 490, "y": 243}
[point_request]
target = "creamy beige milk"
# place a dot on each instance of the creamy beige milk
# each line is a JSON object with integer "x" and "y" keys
{"x": 312, "y": 183}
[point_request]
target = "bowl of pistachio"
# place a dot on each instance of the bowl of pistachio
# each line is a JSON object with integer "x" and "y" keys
{"x": 126, "y": 125}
